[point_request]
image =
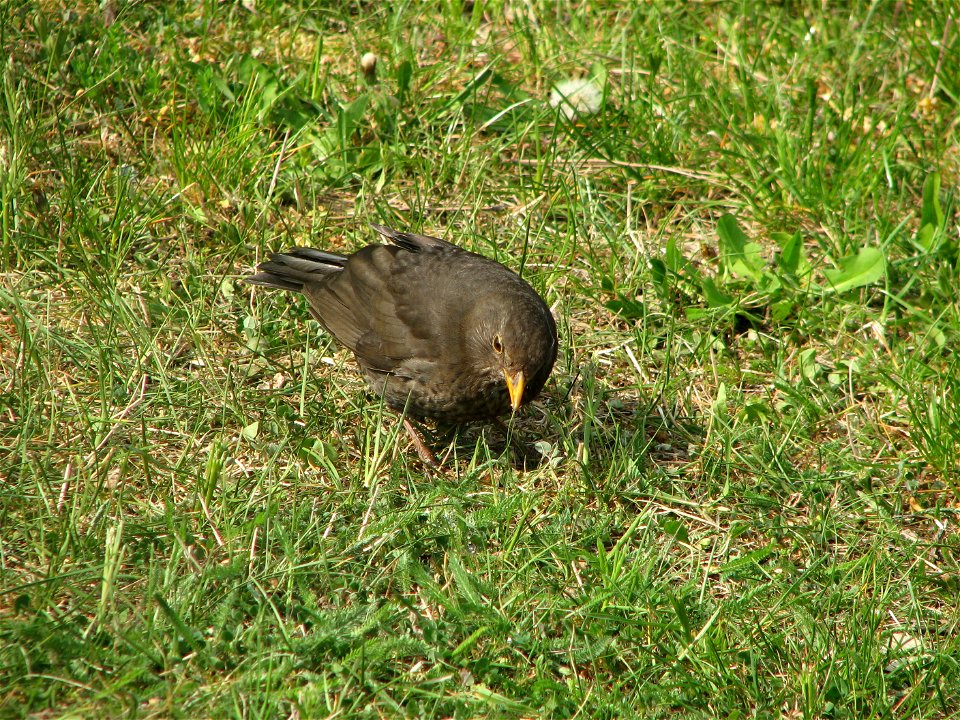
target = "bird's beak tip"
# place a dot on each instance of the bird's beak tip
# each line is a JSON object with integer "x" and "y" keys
{"x": 515, "y": 387}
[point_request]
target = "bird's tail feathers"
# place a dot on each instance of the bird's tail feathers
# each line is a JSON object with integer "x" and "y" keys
{"x": 295, "y": 268}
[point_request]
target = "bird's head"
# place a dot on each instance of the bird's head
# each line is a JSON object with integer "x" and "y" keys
{"x": 514, "y": 339}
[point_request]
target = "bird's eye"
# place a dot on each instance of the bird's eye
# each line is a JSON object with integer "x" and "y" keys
{"x": 497, "y": 344}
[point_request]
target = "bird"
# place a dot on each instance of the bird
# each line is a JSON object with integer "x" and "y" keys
{"x": 439, "y": 332}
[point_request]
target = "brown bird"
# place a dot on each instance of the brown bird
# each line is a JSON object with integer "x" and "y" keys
{"x": 438, "y": 332}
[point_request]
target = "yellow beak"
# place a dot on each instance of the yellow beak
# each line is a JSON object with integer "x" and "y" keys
{"x": 515, "y": 386}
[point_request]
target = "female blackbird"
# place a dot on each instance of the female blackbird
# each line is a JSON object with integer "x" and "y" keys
{"x": 438, "y": 332}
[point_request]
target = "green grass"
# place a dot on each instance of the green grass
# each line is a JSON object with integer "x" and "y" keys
{"x": 741, "y": 493}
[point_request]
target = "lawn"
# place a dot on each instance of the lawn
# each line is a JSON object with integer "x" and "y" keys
{"x": 738, "y": 495}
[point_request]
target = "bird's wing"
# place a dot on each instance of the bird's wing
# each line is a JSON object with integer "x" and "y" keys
{"x": 374, "y": 308}
{"x": 334, "y": 304}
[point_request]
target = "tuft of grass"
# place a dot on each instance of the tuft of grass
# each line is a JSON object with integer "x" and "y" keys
{"x": 738, "y": 495}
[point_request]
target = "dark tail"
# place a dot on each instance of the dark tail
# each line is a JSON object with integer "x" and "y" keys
{"x": 295, "y": 268}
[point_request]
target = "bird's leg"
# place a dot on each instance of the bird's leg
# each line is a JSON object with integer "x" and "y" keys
{"x": 420, "y": 445}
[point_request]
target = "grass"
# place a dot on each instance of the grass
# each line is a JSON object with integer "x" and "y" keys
{"x": 745, "y": 497}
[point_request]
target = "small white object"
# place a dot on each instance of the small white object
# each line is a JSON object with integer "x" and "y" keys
{"x": 368, "y": 63}
{"x": 576, "y": 98}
